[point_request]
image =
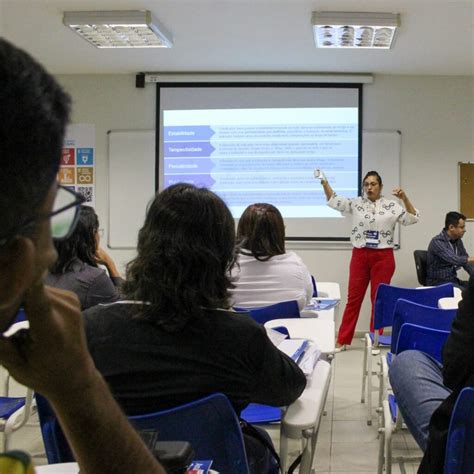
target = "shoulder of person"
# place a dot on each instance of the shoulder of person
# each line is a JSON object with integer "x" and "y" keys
{"x": 234, "y": 319}
{"x": 114, "y": 312}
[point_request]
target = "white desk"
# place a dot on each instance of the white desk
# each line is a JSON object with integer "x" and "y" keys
{"x": 302, "y": 418}
{"x": 63, "y": 468}
{"x": 328, "y": 314}
{"x": 448, "y": 303}
{"x": 328, "y": 289}
{"x": 321, "y": 331}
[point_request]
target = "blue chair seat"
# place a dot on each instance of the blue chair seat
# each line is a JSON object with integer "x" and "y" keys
{"x": 389, "y": 357}
{"x": 256, "y": 413}
{"x": 9, "y": 405}
{"x": 383, "y": 340}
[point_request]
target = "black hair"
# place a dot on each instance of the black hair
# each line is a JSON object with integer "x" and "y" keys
{"x": 34, "y": 112}
{"x": 375, "y": 174}
{"x": 186, "y": 249}
{"x": 82, "y": 243}
{"x": 261, "y": 231}
{"x": 452, "y": 218}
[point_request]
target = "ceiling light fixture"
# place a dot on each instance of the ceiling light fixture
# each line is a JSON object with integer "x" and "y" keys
{"x": 354, "y": 30}
{"x": 119, "y": 29}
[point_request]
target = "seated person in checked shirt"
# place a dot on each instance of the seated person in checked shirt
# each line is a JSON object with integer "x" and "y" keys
{"x": 446, "y": 253}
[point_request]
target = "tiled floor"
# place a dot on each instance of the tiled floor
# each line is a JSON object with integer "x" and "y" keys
{"x": 345, "y": 444}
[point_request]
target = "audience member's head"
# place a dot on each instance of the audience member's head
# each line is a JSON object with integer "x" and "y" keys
{"x": 261, "y": 231}
{"x": 81, "y": 244}
{"x": 455, "y": 225}
{"x": 34, "y": 111}
{"x": 185, "y": 251}
{"x": 452, "y": 218}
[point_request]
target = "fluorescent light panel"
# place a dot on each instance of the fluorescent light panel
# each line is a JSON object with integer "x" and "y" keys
{"x": 119, "y": 29}
{"x": 354, "y": 30}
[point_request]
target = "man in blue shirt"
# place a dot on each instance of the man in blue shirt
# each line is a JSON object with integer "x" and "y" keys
{"x": 446, "y": 253}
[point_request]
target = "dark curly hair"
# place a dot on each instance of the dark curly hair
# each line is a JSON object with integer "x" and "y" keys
{"x": 261, "y": 232}
{"x": 185, "y": 251}
{"x": 80, "y": 245}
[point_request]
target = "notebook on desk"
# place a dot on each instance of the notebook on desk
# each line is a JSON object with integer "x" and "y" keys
{"x": 304, "y": 352}
{"x": 318, "y": 304}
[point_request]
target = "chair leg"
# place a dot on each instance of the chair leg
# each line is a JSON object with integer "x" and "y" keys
{"x": 388, "y": 437}
{"x": 381, "y": 458}
{"x": 369, "y": 388}
{"x": 364, "y": 367}
{"x": 283, "y": 452}
{"x": 305, "y": 466}
{"x": 383, "y": 387}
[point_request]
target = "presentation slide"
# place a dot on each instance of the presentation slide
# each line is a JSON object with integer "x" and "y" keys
{"x": 264, "y": 155}
{"x": 261, "y": 143}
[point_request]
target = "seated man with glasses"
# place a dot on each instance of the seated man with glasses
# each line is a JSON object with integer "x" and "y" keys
{"x": 446, "y": 253}
{"x": 51, "y": 356}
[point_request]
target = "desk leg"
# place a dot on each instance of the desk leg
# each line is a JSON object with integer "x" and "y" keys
{"x": 283, "y": 452}
{"x": 306, "y": 458}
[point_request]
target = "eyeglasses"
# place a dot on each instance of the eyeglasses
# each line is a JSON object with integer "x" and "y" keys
{"x": 63, "y": 218}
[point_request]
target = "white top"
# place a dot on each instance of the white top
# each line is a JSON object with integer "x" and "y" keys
{"x": 282, "y": 278}
{"x": 379, "y": 216}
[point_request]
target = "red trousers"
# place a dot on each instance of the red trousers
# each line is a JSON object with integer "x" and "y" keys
{"x": 367, "y": 265}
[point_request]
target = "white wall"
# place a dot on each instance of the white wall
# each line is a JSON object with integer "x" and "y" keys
{"x": 434, "y": 114}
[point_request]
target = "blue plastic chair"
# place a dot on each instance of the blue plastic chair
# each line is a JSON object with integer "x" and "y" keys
{"x": 55, "y": 443}
{"x": 422, "y": 315}
{"x": 210, "y": 425}
{"x": 420, "y": 338}
{"x": 460, "y": 444}
{"x": 384, "y": 306}
{"x": 411, "y": 337}
{"x": 414, "y": 313}
{"x": 284, "y": 309}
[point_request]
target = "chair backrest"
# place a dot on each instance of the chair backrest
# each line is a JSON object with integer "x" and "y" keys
{"x": 460, "y": 444}
{"x": 209, "y": 424}
{"x": 421, "y": 257}
{"x": 422, "y": 315}
{"x": 388, "y": 295}
{"x": 420, "y": 338}
{"x": 282, "y": 310}
{"x": 55, "y": 443}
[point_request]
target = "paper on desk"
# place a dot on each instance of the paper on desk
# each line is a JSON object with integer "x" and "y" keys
{"x": 320, "y": 304}
{"x": 310, "y": 358}
{"x": 275, "y": 336}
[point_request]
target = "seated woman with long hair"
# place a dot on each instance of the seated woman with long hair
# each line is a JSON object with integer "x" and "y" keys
{"x": 174, "y": 339}
{"x": 76, "y": 268}
{"x": 265, "y": 272}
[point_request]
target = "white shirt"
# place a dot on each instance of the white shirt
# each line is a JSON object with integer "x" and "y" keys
{"x": 282, "y": 278}
{"x": 380, "y": 216}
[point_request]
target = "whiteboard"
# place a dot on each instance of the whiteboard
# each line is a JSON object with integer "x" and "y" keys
{"x": 131, "y": 164}
{"x": 131, "y": 184}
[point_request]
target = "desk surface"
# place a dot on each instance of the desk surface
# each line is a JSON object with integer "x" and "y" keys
{"x": 321, "y": 331}
{"x": 449, "y": 303}
{"x": 63, "y": 468}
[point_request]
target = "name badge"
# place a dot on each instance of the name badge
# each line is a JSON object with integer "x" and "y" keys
{"x": 372, "y": 238}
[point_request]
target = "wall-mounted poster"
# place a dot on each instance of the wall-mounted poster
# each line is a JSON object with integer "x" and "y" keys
{"x": 77, "y": 170}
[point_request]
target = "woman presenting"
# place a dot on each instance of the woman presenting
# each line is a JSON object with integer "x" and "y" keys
{"x": 372, "y": 236}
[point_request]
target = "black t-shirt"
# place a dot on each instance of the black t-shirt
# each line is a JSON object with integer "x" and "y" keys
{"x": 149, "y": 369}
